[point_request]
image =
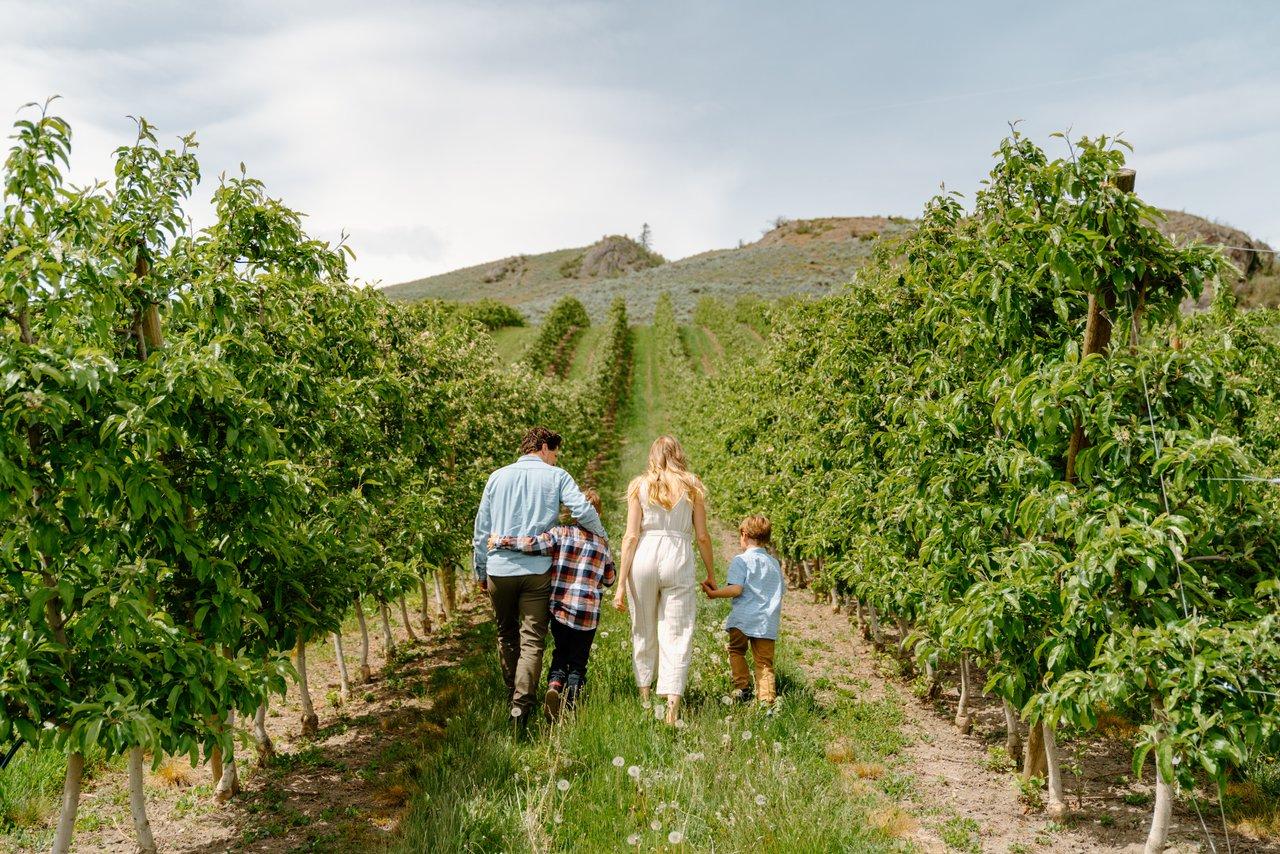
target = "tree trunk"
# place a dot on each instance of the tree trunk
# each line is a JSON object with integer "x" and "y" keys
{"x": 70, "y": 803}
{"x": 229, "y": 785}
{"x": 834, "y": 601}
{"x": 1012, "y": 735}
{"x": 438, "y": 591}
{"x": 1034, "y": 762}
{"x": 266, "y": 750}
{"x": 366, "y": 675}
{"x": 1056, "y": 807}
{"x": 138, "y": 804}
{"x": 215, "y": 765}
{"x": 310, "y": 722}
{"x": 862, "y": 615}
{"x": 388, "y": 639}
{"x": 873, "y": 624}
{"x": 964, "y": 719}
{"x": 344, "y": 682}
{"x": 903, "y": 631}
{"x": 931, "y": 676}
{"x": 445, "y": 579}
{"x": 426, "y": 615}
{"x": 1159, "y": 833}
{"x": 404, "y": 615}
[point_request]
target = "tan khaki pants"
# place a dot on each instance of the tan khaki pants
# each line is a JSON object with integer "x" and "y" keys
{"x": 522, "y": 609}
{"x": 761, "y": 656}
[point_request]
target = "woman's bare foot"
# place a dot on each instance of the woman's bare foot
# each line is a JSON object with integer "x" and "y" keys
{"x": 673, "y": 709}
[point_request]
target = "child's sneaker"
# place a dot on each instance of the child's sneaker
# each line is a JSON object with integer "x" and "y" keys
{"x": 551, "y": 702}
{"x": 742, "y": 695}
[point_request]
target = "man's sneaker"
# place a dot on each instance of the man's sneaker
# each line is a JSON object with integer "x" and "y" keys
{"x": 742, "y": 695}
{"x": 551, "y": 703}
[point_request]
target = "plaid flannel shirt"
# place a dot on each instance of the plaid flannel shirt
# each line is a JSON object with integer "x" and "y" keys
{"x": 580, "y": 566}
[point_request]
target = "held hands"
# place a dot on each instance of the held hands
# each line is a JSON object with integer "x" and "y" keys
{"x": 709, "y": 587}
{"x": 493, "y": 541}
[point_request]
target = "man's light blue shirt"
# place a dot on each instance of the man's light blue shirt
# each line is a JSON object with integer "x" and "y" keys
{"x": 523, "y": 500}
{"x": 757, "y": 612}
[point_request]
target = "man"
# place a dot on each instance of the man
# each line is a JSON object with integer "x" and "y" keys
{"x": 524, "y": 499}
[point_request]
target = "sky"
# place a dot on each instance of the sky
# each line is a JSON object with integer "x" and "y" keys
{"x": 439, "y": 135}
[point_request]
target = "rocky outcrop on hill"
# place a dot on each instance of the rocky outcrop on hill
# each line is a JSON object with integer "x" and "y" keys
{"x": 1258, "y": 283}
{"x": 613, "y": 255}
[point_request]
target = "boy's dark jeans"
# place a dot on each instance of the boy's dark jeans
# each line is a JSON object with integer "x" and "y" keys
{"x": 569, "y": 659}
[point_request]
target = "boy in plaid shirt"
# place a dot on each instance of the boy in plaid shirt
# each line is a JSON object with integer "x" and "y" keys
{"x": 580, "y": 567}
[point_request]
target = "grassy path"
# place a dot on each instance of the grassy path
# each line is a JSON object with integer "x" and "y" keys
{"x": 732, "y": 778}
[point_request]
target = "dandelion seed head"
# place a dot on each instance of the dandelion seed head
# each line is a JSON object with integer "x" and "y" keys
{"x": 660, "y": 807}
{"x": 746, "y": 735}
{"x": 618, "y": 762}
{"x": 680, "y": 724}
{"x": 655, "y": 825}
{"x": 777, "y": 747}
{"x": 761, "y": 800}
{"x": 559, "y": 819}
{"x": 633, "y": 839}
{"x": 562, "y": 784}
{"x": 634, "y": 772}
{"x": 675, "y": 837}
{"x": 726, "y": 699}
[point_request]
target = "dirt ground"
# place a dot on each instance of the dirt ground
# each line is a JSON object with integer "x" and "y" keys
{"x": 955, "y": 775}
{"x": 341, "y": 791}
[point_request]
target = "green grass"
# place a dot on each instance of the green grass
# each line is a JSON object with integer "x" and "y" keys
{"x": 734, "y": 779}
{"x": 584, "y": 354}
{"x": 30, "y": 789}
{"x": 702, "y": 353}
{"x": 511, "y": 342}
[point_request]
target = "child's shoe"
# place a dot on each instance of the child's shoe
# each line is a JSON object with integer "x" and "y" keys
{"x": 551, "y": 702}
{"x": 742, "y": 695}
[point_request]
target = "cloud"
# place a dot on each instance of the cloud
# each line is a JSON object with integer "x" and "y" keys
{"x": 387, "y": 122}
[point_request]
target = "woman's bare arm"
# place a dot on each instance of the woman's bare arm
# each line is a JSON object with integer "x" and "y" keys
{"x": 629, "y": 542}
{"x": 703, "y": 538}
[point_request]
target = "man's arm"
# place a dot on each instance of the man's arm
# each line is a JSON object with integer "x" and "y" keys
{"x": 579, "y": 506}
{"x": 480, "y": 534}
{"x": 543, "y": 544}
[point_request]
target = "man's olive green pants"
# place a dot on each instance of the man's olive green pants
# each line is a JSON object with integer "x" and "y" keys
{"x": 522, "y": 609}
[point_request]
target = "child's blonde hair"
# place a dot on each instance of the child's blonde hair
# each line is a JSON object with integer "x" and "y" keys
{"x": 667, "y": 479}
{"x": 757, "y": 528}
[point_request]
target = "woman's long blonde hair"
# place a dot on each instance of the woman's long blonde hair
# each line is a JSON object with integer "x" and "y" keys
{"x": 667, "y": 479}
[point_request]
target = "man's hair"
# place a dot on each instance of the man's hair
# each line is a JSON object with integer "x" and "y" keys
{"x": 536, "y": 438}
{"x": 757, "y": 528}
{"x": 594, "y": 497}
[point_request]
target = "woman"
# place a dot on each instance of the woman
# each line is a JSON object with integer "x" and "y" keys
{"x": 666, "y": 512}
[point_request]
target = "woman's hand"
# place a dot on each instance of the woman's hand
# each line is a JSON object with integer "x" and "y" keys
{"x": 493, "y": 541}
{"x": 620, "y": 602}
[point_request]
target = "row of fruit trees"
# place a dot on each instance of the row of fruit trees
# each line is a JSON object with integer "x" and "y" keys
{"x": 1006, "y": 438}
{"x": 213, "y": 448}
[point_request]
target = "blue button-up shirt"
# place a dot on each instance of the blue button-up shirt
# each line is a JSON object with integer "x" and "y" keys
{"x": 523, "y": 500}
{"x": 758, "y": 610}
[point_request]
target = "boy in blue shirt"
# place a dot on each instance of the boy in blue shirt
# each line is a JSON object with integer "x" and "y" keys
{"x": 755, "y": 585}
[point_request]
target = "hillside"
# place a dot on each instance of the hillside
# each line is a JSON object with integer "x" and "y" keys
{"x": 796, "y": 257}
